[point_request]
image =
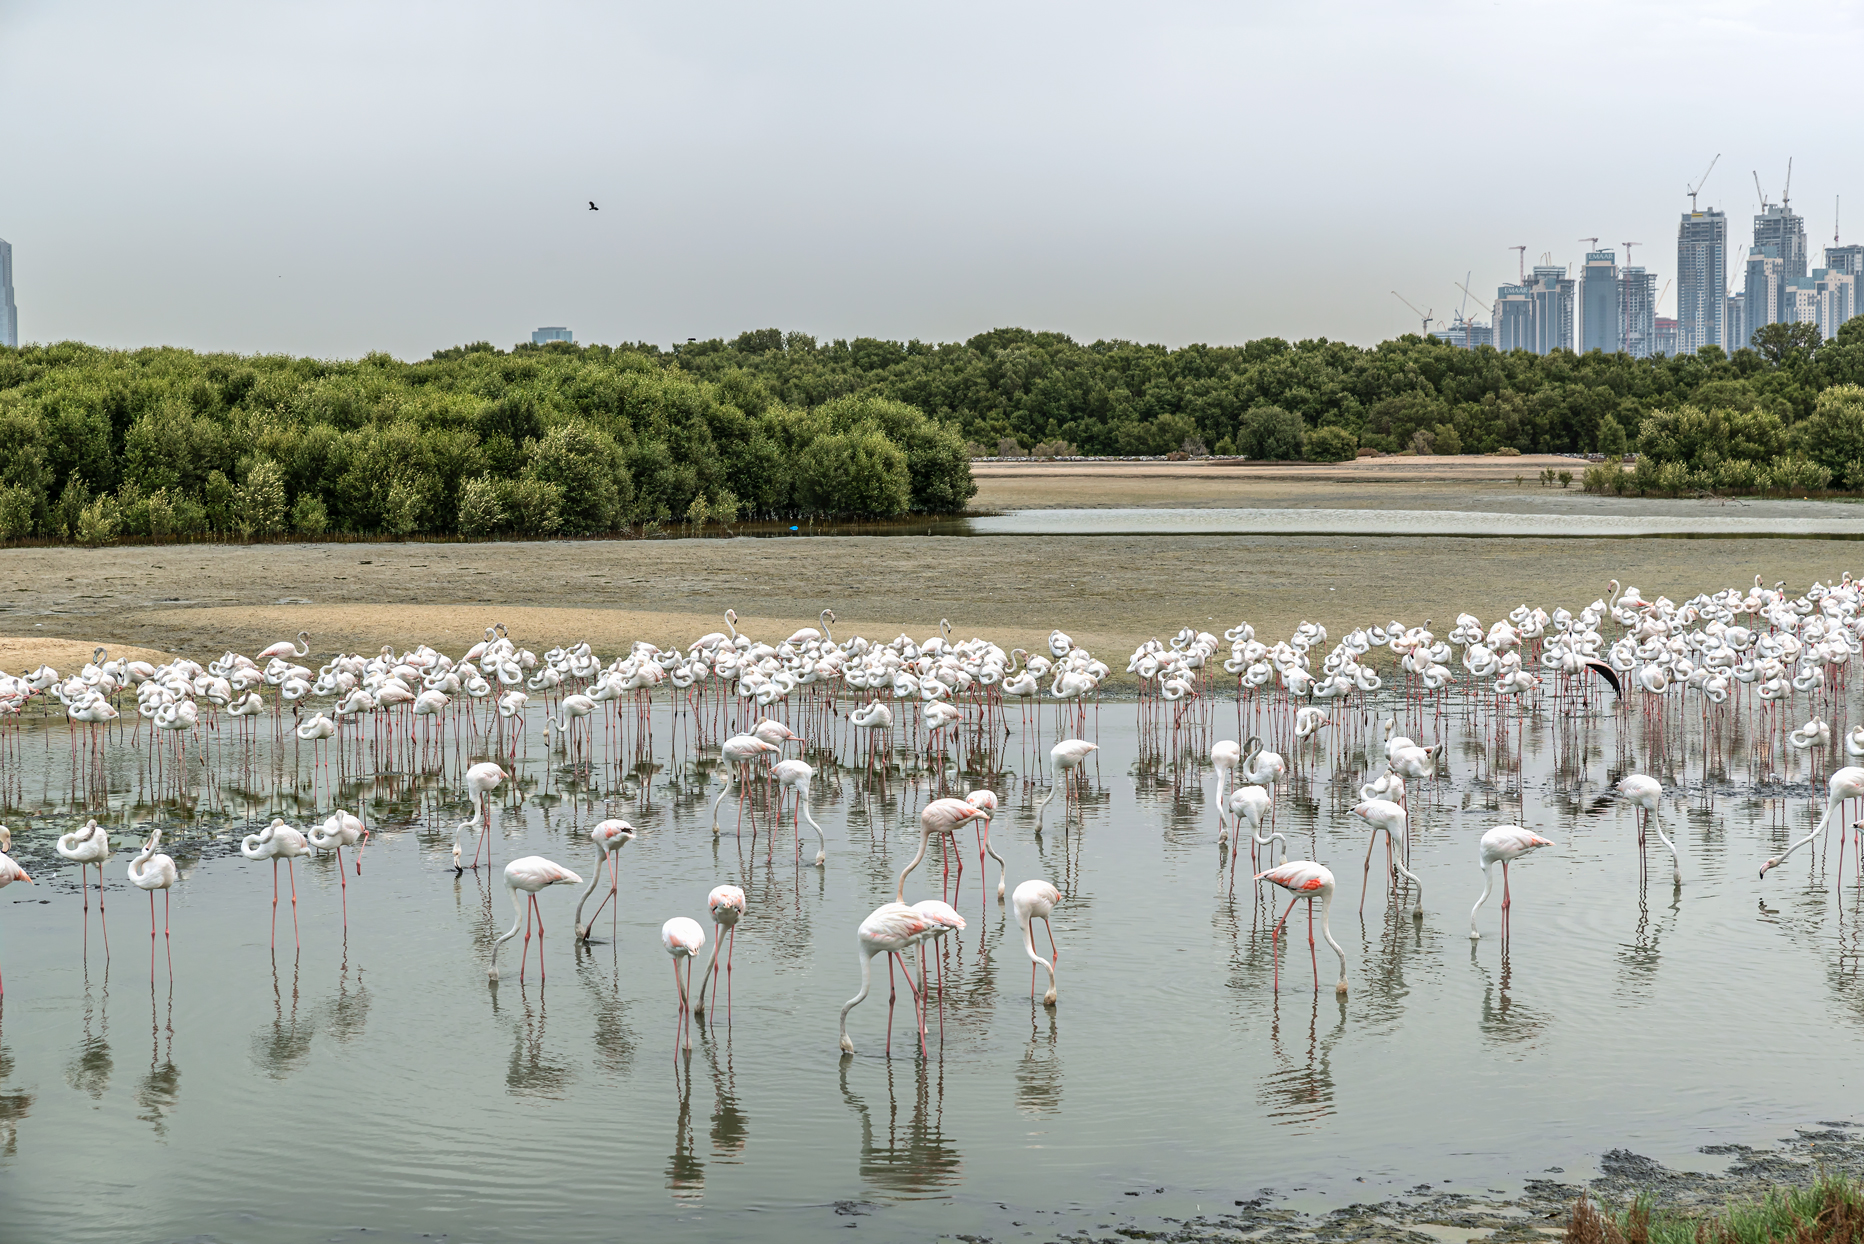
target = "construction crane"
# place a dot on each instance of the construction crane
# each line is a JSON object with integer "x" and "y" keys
{"x": 1628, "y": 246}
{"x": 1759, "y": 191}
{"x": 1660, "y": 297}
{"x": 1696, "y": 189}
{"x": 1786, "y": 195}
{"x": 1473, "y": 294}
{"x": 1594, "y": 241}
{"x": 1426, "y": 316}
{"x": 1520, "y": 262}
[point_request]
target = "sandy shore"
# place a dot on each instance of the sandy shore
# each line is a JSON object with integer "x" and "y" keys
{"x": 1109, "y": 592}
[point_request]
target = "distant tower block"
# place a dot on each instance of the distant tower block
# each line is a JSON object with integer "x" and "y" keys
{"x": 552, "y": 334}
{"x": 9, "y": 314}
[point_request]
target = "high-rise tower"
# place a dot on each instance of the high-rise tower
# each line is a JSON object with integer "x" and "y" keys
{"x": 1701, "y": 279}
{"x": 1599, "y": 326}
{"x": 1785, "y": 230}
{"x": 9, "y": 312}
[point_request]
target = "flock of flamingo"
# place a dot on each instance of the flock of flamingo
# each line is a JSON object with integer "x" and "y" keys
{"x": 1756, "y": 650}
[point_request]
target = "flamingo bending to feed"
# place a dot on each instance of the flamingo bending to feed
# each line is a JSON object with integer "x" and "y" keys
{"x": 941, "y": 817}
{"x": 86, "y": 846}
{"x": 739, "y": 750}
{"x": 1505, "y": 843}
{"x": 1035, "y": 900}
{"x": 941, "y": 918}
{"x": 152, "y": 871}
{"x": 9, "y": 873}
{"x": 1251, "y": 804}
{"x": 481, "y": 780}
{"x": 530, "y": 873}
{"x": 684, "y": 939}
{"x": 987, "y": 801}
{"x": 726, "y": 904}
{"x": 1383, "y": 814}
{"x": 1846, "y": 783}
{"x": 1066, "y": 756}
{"x": 1646, "y": 794}
{"x": 1225, "y": 755}
{"x": 275, "y": 842}
{"x": 1307, "y": 880}
{"x": 609, "y": 837}
{"x": 795, "y": 775}
{"x": 889, "y": 929}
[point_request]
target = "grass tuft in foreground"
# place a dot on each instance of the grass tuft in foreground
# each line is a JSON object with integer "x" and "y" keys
{"x": 1829, "y": 1211}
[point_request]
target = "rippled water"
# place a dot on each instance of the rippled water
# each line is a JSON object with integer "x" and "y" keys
{"x": 374, "y": 1080}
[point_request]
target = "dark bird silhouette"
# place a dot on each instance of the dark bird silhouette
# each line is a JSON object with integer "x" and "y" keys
{"x": 1609, "y": 674}
{"x": 593, "y": 207}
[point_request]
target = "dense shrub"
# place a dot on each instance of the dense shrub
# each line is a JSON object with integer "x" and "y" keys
{"x": 1330, "y": 445}
{"x": 1834, "y": 436}
{"x": 1271, "y": 434}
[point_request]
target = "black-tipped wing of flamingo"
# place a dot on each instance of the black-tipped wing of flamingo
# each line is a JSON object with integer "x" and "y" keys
{"x": 1609, "y": 674}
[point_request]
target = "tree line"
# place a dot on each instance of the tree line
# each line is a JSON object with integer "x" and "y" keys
{"x": 566, "y": 439}
{"x": 164, "y": 443}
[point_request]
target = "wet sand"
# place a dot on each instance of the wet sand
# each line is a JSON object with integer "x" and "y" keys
{"x": 1110, "y": 593}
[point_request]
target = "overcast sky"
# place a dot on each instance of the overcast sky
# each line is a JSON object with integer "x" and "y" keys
{"x": 330, "y": 179}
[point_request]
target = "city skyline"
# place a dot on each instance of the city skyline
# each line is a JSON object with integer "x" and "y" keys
{"x": 1187, "y": 172}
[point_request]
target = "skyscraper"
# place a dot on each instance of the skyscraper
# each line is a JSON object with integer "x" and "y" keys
{"x": 1599, "y": 327}
{"x": 1552, "y": 293}
{"x": 1845, "y": 258}
{"x": 1514, "y": 318}
{"x": 1766, "y": 288}
{"x": 1736, "y": 319}
{"x": 543, "y": 335}
{"x": 9, "y": 313}
{"x": 1785, "y": 231}
{"x": 1637, "y": 312}
{"x": 1701, "y": 279}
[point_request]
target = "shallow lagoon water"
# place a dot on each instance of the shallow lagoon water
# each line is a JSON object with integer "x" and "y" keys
{"x": 375, "y": 1082}
{"x": 1545, "y": 520}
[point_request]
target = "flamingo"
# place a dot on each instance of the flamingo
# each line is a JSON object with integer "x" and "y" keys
{"x": 9, "y": 873}
{"x": 776, "y": 732}
{"x": 1307, "y": 880}
{"x": 1845, "y": 783}
{"x": 726, "y": 904}
{"x": 889, "y": 929}
{"x": 275, "y": 842}
{"x": 1066, "y": 756}
{"x": 986, "y": 800}
{"x": 684, "y": 939}
{"x": 152, "y": 871}
{"x": 1504, "y": 843}
{"x": 609, "y": 837}
{"x": 285, "y": 648}
{"x": 941, "y": 918}
{"x": 1252, "y": 804}
{"x": 481, "y": 780}
{"x": 1309, "y": 720}
{"x": 340, "y": 829}
{"x": 1225, "y": 755}
{"x": 86, "y": 846}
{"x": 1259, "y": 767}
{"x": 795, "y": 775}
{"x": 737, "y": 751}
{"x": 530, "y": 873}
{"x": 1646, "y": 794}
{"x": 1383, "y": 814}
{"x": 941, "y": 816}
{"x": 1032, "y": 901}
{"x": 574, "y": 706}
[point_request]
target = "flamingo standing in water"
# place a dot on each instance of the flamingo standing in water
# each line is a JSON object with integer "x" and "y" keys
{"x": 1066, "y": 756}
{"x": 609, "y": 837}
{"x": 987, "y": 801}
{"x": 684, "y": 939}
{"x": 275, "y": 842}
{"x": 285, "y": 648}
{"x": 86, "y": 846}
{"x": 340, "y": 829}
{"x": 1259, "y": 767}
{"x": 481, "y": 780}
{"x": 1845, "y": 783}
{"x": 1225, "y": 755}
{"x": 941, "y": 918}
{"x": 1504, "y": 843}
{"x": 152, "y": 871}
{"x": 889, "y": 929}
{"x": 1646, "y": 794}
{"x": 1250, "y": 804}
{"x": 9, "y": 873}
{"x": 738, "y": 751}
{"x": 1307, "y": 880}
{"x": 795, "y": 775}
{"x": 1384, "y": 815}
{"x": 941, "y": 817}
{"x": 530, "y": 873}
{"x": 1033, "y": 901}
{"x": 726, "y": 904}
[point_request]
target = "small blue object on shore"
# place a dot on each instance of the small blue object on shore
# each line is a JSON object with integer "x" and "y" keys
{"x": 792, "y": 529}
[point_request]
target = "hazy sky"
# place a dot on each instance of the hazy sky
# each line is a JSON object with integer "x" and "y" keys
{"x": 333, "y": 178}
